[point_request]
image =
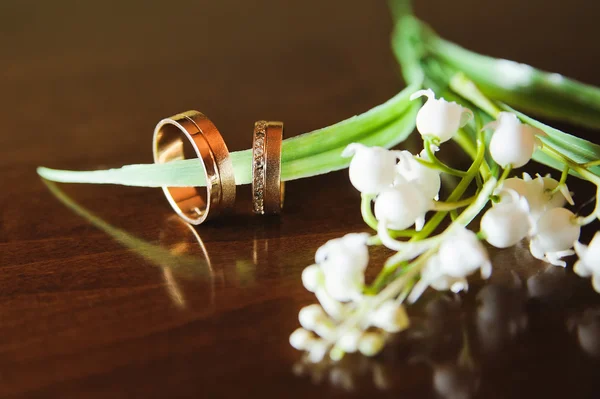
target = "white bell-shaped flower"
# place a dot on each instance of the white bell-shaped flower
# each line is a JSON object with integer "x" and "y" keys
{"x": 401, "y": 206}
{"x": 372, "y": 169}
{"x": 588, "y": 264}
{"x": 371, "y": 343}
{"x": 514, "y": 184}
{"x": 513, "y": 142}
{"x": 317, "y": 350}
{"x": 301, "y": 339}
{"x": 554, "y": 235}
{"x": 459, "y": 255}
{"x": 440, "y": 118}
{"x": 348, "y": 341}
{"x": 427, "y": 179}
{"x": 311, "y": 316}
{"x": 540, "y": 195}
{"x": 343, "y": 262}
{"x": 462, "y": 253}
{"x": 433, "y": 276}
{"x": 507, "y": 223}
{"x": 558, "y": 199}
{"x": 538, "y": 192}
{"x": 390, "y": 317}
{"x": 312, "y": 277}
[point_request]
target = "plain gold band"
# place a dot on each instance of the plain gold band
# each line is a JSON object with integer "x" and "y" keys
{"x": 212, "y": 154}
{"x": 268, "y": 190}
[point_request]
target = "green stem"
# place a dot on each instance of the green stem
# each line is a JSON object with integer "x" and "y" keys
{"x": 563, "y": 179}
{"x": 467, "y": 144}
{"x": 394, "y": 288}
{"x": 559, "y": 156}
{"x": 505, "y": 173}
{"x": 434, "y": 162}
{"x": 590, "y": 164}
{"x": 367, "y": 212}
{"x": 585, "y": 220}
{"x": 434, "y": 222}
{"x": 450, "y": 206}
{"x": 467, "y": 89}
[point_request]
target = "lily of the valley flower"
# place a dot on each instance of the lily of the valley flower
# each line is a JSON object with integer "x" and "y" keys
{"x": 372, "y": 169}
{"x": 541, "y": 197}
{"x": 554, "y": 235}
{"x": 343, "y": 262}
{"x": 371, "y": 343}
{"x": 462, "y": 254}
{"x": 513, "y": 142}
{"x": 588, "y": 264}
{"x": 348, "y": 342}
{"x": 538, "y": 192}
{"x": 301, "y": 339}
{"x": 440, "y": 118}
{"x": 390, "y": 317}
{"x": 459, "y": 255}
{"x": 427, "y": 179}
{"x": 507, "y": 223}
{"x": 433, "y": 276}
{"x": 402, "y": 205}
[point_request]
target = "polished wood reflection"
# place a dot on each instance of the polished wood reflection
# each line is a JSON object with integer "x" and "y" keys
{"x": 103, "y": 294}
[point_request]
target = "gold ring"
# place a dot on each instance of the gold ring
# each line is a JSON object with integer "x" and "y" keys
{"x": 208, "y": 145}
{"x": 267, "y": 188}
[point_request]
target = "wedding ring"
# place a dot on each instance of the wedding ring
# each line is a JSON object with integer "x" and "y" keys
{"x": 210, "y": 149}
{"x": 267, "y": 188}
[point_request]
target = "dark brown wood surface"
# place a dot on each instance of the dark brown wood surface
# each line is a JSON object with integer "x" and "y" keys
{"x": 103, "y": 294}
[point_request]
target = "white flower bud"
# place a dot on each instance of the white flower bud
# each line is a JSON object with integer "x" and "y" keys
{"x": 556, "y": 200}
{"x": 312, "y": 277}
{"x": 427, "y": 179}
{"x": 513, "y": 142}
{"x": 343, "y": 262}
{"x": 372, "y": 169}
{"x": 462, "y": 253}
{"x": 507, "y": 223}
{"x": 371, "y": 344}
{"x": 440, "y": 118}
{"x": 555, "y": 233}
{"x": 556, "y": 230}
{"x": 401, "y": 205}
{"x": 301, "y": 339}
{"x": 312, "y": 315}
{"x": 348, "y": 342}
{"x": 537, "y": 192}
{"x": 317, "y": 350}
{"x": 515, "y": 184}
{"x": 540, "y": 197}
{"x": 588, "y": 264}
{"x": 336, "y": 354}
{"x": 345, "y": 286}
{"x": 390, "y": 317}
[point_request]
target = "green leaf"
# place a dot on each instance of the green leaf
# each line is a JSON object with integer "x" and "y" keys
{"x": 548, "y": 94}
{"x": 306, "y": 155}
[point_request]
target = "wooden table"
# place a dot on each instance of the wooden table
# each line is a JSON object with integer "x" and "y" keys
{"x": 104, "y": 294}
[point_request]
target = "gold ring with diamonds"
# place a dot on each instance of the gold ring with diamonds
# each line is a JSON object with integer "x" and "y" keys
{"x": 267, "y": 188}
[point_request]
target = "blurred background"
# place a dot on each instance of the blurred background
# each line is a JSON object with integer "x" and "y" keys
{"x": 88, "y": 311}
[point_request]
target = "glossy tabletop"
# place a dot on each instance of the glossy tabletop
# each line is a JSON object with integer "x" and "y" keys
{"x": 103, "y": 293}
